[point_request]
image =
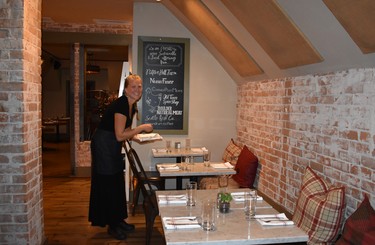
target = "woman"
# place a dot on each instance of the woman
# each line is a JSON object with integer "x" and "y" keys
{"x": 107, "y": 197}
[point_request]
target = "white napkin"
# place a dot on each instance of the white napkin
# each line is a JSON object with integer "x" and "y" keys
{"x": 197, "y": 150}
{"x": 146, "y": 137}
{"x": 222, "y": 165}
{"x": 273, "y": 219}
{"x": 176, "y": 223}
{"x": 160, "y": 150}
{"x": 240, "y": 196}
{"x": 172, "y": 199}
{"x": 166, "y": 167}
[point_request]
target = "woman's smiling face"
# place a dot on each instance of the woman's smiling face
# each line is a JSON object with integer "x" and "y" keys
{"x": 133, "y": 89}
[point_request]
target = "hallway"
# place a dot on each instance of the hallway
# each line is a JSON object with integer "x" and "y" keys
{"x": 66, "y": 201}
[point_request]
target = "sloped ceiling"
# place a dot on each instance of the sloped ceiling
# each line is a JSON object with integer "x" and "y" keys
{"x": 265, "y": 39}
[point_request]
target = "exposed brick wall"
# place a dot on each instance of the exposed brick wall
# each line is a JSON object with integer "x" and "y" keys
{"x": 93, "y": 28}
{"x": 21, "y": 201}
{"x": 326, "y": 122}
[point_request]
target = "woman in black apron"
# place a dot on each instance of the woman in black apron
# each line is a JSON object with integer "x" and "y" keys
{"x": 107, "y": 196}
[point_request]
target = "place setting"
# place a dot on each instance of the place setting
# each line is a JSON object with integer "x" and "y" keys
{"x": 225, "y": 165}
{"x": 168, "y": 167}
{"x": 176, "y": 223}
{"x": 273, "y": 219}
{"x": 240, "y": 196}
{"x": 172, "y": 199}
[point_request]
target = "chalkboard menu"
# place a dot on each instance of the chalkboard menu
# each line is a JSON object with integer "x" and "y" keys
{"x": 164, "y": 68}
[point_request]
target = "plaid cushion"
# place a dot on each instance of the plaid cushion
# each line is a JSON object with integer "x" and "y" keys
{"x": 319, "y": 209}
{"x": 232, "y": 152}
{"x": 360, "y": 226}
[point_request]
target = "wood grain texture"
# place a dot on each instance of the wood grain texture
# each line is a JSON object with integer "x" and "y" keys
{"x": 358, "y": 19}
{"x": 66, "y": 203}
{"x": 275, "y": 32}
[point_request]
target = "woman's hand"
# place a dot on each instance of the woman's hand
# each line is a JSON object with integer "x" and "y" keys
{"x": 146, "y": 127}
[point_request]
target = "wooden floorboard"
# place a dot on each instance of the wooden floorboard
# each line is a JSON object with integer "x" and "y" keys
{"x": 66, "y": 202}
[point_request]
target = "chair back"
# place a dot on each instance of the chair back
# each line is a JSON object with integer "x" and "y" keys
{"x": 139, "y": 172}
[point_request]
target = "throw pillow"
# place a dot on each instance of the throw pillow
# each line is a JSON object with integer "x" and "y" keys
{"x": 360, "y": 226}
{"x": 246, "y": 168}
{"x": 231, "y": 152}
{"x": 319, "y": 209}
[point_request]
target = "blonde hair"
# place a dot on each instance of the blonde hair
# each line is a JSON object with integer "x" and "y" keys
{"x": 129, "y": 78}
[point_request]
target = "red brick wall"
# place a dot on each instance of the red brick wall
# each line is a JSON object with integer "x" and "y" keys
{"x": 322, "y": 121}
{"x": 21, "y": 202}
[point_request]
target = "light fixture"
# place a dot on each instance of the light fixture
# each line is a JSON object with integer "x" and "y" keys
{"x": 91, "y": 68}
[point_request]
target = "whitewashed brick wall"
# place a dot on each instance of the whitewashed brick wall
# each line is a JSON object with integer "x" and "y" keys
{"x": 326, "y": 122}
{"x": 21, "y": 202}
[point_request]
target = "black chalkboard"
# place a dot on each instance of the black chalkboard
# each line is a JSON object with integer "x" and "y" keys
{"x": 164, "y": 68}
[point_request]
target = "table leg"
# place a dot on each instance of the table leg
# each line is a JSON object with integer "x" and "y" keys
{"x": 178, "y": 179}
{"x": 179, "y": 183}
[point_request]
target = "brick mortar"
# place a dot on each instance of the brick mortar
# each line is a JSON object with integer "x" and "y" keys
{"x": 322, "y": 121}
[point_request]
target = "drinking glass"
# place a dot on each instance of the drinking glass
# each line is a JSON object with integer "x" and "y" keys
{"x": 187, "y": 144}
{"x": 250, "y": 203}
{"x": 208, "y": 215}
{"x": 206, "y": 158}
{"x": 191, "y": 192}
{"x": 222, "y": 181}
{"x": 168, "y": 145}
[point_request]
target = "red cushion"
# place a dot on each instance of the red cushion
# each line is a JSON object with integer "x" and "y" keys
{"x": 246, "y": 168}
{"x": 360, "y": 226}
{"x": 319, "y": 209}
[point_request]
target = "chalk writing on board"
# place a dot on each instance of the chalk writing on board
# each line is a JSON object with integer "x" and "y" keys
{"x": 163, "y": 85}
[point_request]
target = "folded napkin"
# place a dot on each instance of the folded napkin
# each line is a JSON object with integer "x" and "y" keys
{"x": 172, "y": 199}
{"x": 240, "y": 196}
{"x": 273, "y": 219}
{"x": 146, "y": 137}
{"x": 166, "y": 167}
{"x": 176, "y": 223}
{"x": 222, "y": 165}
{"x": 160, "y": 150}
{"x": 197, "y": 150}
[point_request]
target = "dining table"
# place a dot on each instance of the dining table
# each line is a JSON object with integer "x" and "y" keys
{"x": 195, "y": 170}
{"x": 178, "y": 154}
{"x": 230, "y": 228}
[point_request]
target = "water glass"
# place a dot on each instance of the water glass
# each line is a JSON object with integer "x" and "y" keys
{"x": 188, "y": 144}
{"x": 191, "y": 192}
{"x": 168, "y": 145}
{"x": 222, "y": 181}
{"x": 208, "y": 215}
{"x": 250, "y": 203}
{"x": 206, "y": 158}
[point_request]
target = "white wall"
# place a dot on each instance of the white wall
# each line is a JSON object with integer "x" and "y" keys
{"x": 213, "y": 94}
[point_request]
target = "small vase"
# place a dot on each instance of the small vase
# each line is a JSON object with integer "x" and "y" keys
{"x": 224, "y": 207}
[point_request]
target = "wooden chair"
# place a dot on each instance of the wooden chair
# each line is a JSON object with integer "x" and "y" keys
{"x": 150, "y": 206}
{"x": 154, "y": 179}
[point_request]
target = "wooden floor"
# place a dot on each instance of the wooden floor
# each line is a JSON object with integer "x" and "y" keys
{"x": 66, "y": 201}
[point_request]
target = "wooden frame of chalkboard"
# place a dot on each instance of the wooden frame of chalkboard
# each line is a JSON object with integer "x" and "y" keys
{"x": 163, "y": 64}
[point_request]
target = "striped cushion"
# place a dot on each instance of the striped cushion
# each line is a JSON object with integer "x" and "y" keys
{"x": 319, "y": 209}
{"x": 232, "y": 152}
